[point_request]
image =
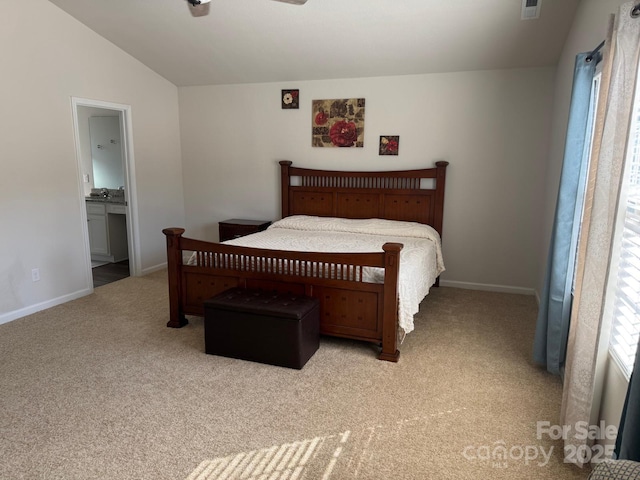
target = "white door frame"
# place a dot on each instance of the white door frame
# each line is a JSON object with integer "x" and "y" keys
{"x": 129, "y": 183}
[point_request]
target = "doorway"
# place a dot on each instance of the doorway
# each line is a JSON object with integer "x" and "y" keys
{"x": 107, "y": 188}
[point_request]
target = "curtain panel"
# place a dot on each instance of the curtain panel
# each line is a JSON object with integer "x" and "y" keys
{"x": 588, "y": 324}
{"x": 554, "y": 314}
{"x": 628, "y": 440}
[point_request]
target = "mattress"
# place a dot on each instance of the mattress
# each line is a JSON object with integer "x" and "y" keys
{"x": 420, "y": 259}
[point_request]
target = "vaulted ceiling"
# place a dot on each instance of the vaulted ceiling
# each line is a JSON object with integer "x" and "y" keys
{"x": 256, "y": 41}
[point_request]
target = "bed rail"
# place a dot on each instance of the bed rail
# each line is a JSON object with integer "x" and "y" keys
{"x": 336, "y": 279}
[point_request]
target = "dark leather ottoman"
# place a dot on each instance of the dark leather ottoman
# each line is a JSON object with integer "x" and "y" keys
{"x": 267, "y": 327}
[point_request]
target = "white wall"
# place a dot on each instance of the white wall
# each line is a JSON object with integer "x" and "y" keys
{"x": 47, "y": 58}
{"x": 492, "y": 126}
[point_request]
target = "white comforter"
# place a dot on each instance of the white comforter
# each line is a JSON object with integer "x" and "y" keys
{"x": 420, "y": 259}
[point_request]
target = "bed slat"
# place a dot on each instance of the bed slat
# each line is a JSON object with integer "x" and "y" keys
{"x": 264, "y": 264}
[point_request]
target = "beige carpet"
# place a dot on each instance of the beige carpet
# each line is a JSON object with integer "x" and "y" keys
{"x": 99, "y": 388}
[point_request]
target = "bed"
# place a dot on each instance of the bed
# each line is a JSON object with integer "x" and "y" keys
{"x": 360, "y": 292}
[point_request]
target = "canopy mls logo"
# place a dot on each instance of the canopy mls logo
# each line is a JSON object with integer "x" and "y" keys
{"x": 499, "y": 454}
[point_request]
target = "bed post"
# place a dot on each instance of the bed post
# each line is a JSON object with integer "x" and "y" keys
{"x": 284, "y": 186}
{"x": 441, "y": 174}
{"x": 174, "y": 267}
{"x": 390, "y": 350}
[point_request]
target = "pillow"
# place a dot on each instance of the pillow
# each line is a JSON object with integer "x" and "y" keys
{"x": 370, "y": 226}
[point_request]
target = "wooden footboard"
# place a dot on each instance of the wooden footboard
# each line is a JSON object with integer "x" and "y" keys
{"x": 350, "y": 307}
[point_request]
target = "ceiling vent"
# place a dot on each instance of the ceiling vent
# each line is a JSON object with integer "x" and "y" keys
{"x": 530, "y": 9}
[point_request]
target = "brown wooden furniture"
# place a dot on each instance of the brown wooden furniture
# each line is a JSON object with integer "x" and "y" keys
{"x": 349, "y": 307}
{"x": 239, "y": 227}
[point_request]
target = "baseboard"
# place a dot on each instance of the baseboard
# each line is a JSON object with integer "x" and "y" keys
{"x": 155, "y": 268}
{"x": 23, "y": 312}
{"x": 488, "y": 287}
{"x": 104, "y": 258}
{"x": 445, "y": 283}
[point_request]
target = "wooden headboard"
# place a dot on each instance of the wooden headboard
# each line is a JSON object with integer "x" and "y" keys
{"x": 394, "y": 195}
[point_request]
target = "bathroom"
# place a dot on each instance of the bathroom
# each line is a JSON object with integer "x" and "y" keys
{"x": 103, "y": 180}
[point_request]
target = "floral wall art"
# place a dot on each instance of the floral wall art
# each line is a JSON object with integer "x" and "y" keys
{"x": 337, "y": 123}
{"x": 389, "y": 145}
{"x": 290, "y": 99}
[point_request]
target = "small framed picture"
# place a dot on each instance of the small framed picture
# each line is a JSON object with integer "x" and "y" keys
{"x": 389, "y": 144}
{"x": 290, "y": 99}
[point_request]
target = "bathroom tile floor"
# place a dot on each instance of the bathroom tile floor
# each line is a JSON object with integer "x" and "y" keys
{"x": 110, "y": 272}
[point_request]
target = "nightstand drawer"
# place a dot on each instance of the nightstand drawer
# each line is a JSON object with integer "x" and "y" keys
{"x": 239, "y": 227}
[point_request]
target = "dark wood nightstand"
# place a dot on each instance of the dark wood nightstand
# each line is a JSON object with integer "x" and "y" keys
{"x": 239, "y": 227}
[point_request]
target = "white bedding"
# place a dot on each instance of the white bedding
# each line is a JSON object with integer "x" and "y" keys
{"x": 420, "y": 259}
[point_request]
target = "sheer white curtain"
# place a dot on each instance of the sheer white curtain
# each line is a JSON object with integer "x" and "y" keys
{"x": 588, "y": 324}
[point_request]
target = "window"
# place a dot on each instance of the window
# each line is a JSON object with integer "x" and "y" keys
{"x": 625, "y": 327}
{"x": 593, "y": 104}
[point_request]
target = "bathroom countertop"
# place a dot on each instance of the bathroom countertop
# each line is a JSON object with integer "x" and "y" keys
{"x": 116, "y": 200}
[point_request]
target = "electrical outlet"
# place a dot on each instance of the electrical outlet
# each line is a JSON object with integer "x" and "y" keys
{"x": 35, "y": 274}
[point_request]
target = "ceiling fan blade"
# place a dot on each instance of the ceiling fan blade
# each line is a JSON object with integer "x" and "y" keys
{"x": 293, "y": 2}
{"x": 199, "y": 8}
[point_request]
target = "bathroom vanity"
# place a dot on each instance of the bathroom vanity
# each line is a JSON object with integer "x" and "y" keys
{"x": 107, "y": 223}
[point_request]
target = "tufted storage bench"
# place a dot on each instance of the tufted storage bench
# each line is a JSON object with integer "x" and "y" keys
{"x": 268, "y": 327}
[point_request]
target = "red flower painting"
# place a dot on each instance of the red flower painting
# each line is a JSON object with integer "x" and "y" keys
{"x": 389, "y": 145}
{"x": 337, "y": 123}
